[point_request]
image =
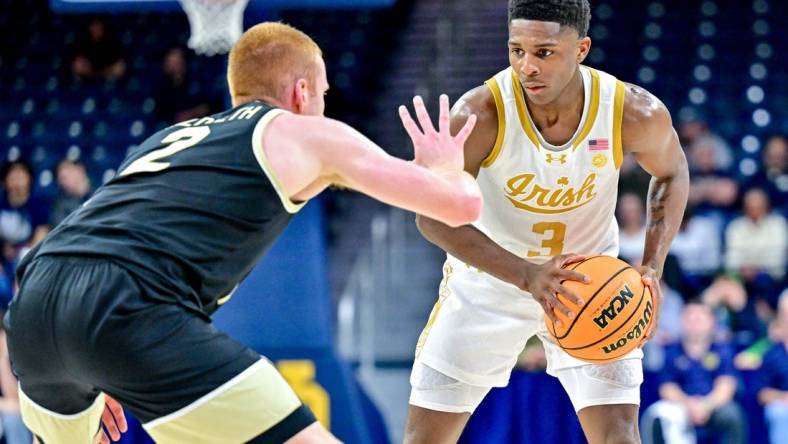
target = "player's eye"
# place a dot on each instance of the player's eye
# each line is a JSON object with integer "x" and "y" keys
{"x": 544, "y": 53}
{"x": 518, "y": 52}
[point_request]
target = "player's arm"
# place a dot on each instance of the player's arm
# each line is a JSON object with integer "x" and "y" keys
{"x": 473, "y": 247}
{"x": 647, "y": 132}
{"x": 331, "y": 152}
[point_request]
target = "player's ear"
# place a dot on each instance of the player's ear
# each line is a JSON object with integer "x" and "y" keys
{"x": 301, "y": 95}
{"x": 583, "y": 46}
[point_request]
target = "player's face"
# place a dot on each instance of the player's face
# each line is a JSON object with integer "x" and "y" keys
{"x": 545, "y": 57}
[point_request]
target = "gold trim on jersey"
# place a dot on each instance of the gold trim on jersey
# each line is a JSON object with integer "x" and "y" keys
{"x": 522, "y": 111}
{"x": 618, "y": 119}
{"x": 593, "y": 109}
{"x": 530, "y": 128}
{"x": 443, "y": 293}
{"x": 499, "y": 107}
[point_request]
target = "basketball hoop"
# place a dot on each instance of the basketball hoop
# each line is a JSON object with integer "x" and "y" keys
{"x": 215, "y": 24}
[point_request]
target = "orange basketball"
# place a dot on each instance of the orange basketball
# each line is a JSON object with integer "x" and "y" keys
{"x": 616, "y": 315}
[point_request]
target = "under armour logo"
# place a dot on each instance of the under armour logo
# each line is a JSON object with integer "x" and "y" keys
{"x": 561, "y": 158}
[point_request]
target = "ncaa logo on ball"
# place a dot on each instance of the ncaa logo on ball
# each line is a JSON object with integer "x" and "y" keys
{"x": 615, "y": 307}
{"x": 637, "y": 331}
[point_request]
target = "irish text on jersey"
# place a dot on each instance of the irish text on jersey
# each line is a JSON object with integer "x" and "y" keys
{"x": 524, "y": 193}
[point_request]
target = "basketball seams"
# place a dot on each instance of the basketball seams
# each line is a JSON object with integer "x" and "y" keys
{"x": 588, "y": 302}
{"x": 634, "y": 312}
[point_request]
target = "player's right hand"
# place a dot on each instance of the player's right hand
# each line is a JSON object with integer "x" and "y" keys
{"x": 545, "y": 281}
{"x": 436, "y": 150}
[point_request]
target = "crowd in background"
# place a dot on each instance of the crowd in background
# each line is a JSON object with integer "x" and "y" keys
{"x": 725, "y": 307}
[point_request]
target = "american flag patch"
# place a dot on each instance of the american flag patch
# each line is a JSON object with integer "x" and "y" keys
{"x": 598, "y": 145}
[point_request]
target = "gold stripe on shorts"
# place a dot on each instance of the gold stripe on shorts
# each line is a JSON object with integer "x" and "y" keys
{"x": 235, "y": 412}
{"x": 79, "y": 428}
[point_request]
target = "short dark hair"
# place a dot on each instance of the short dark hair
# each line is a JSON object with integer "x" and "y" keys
{"x": 573, "y": 13}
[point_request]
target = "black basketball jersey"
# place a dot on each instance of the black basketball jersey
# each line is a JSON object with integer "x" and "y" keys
{"x": 190, "y": 211}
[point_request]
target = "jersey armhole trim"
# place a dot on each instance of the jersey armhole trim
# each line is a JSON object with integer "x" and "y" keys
{"x": 499, "y": 108}
{"x": 593, "y": 109}
{"x": 522, "y": 112}
{"x": 259, "y": 154}
{"x": 618, "y": 119}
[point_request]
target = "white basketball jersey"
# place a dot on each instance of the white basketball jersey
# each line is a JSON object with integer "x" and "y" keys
{"x": 541, "y": 200}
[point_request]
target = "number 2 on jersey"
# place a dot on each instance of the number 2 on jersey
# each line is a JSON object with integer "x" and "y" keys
{"x": 178, "y": 141}
{"x": 555, "y": 243}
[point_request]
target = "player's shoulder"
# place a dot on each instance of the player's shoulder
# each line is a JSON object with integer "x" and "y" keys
{"x": 645, "y": 117}
{"x": 641, "y": 107}
{"x": 480, "y": 101}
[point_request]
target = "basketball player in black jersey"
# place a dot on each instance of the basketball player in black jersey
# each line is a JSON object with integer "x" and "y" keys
{"x": 117, "y": 298}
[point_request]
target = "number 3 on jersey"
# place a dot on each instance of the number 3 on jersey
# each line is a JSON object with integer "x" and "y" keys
{"x": 552, "y": 245}
{"x": 177, "y": 141}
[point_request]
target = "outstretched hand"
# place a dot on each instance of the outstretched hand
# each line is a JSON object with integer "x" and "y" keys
{"x": 436, "y": 150}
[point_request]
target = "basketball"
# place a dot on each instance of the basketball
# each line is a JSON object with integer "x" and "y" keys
{"x": 617, "y": 313}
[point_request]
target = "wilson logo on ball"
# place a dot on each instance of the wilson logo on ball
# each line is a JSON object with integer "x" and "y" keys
{"x": 636, "y": 332}
{"x": 616, "y": 306}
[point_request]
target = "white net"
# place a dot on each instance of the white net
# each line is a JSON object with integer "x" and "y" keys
{"x": 215, "y": 24}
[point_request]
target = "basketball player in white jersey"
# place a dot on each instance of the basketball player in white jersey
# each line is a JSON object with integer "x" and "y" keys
{"x": 550, "y": 138}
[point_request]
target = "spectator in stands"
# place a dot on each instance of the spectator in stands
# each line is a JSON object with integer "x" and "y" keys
{"x": 178, "y": 96}
{"x": 698, "y": 248}
{"x": 23, "y": 216}
{"x": 698, "y": 386}
{"x": 712, "y": 189}
{"x": 13, "y": 429}
{"x": 773, "y": 375}
{"x": 695, "y": 132}
{"x": 632, "y": 232}
{"x": 74, "y": 185}
{"x": 97, "y": 54}
{"x": 743, "y": 315}
{"x": 773, "y": 175}
{"x": 757, "y": 245}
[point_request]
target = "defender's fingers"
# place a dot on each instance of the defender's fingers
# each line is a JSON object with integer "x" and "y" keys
{"x": 103, "y": 439}
{"x": 571, "y": 295}
{"x": 120, "y": 416}
{"x": 443, "y": 117}
{"x": 423, "y": 115}
{"x": 109, "y": 424}
{"x": 466, "y": 130}
{"x": 408, "y": 123}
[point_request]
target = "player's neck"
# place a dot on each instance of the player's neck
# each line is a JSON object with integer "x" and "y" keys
{"x": 244, "y": 99}
{"x": 569, "y": 102}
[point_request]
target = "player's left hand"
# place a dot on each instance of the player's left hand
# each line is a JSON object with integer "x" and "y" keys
{"x": 651, "y": 280}
{"x": 114, "y": 421}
